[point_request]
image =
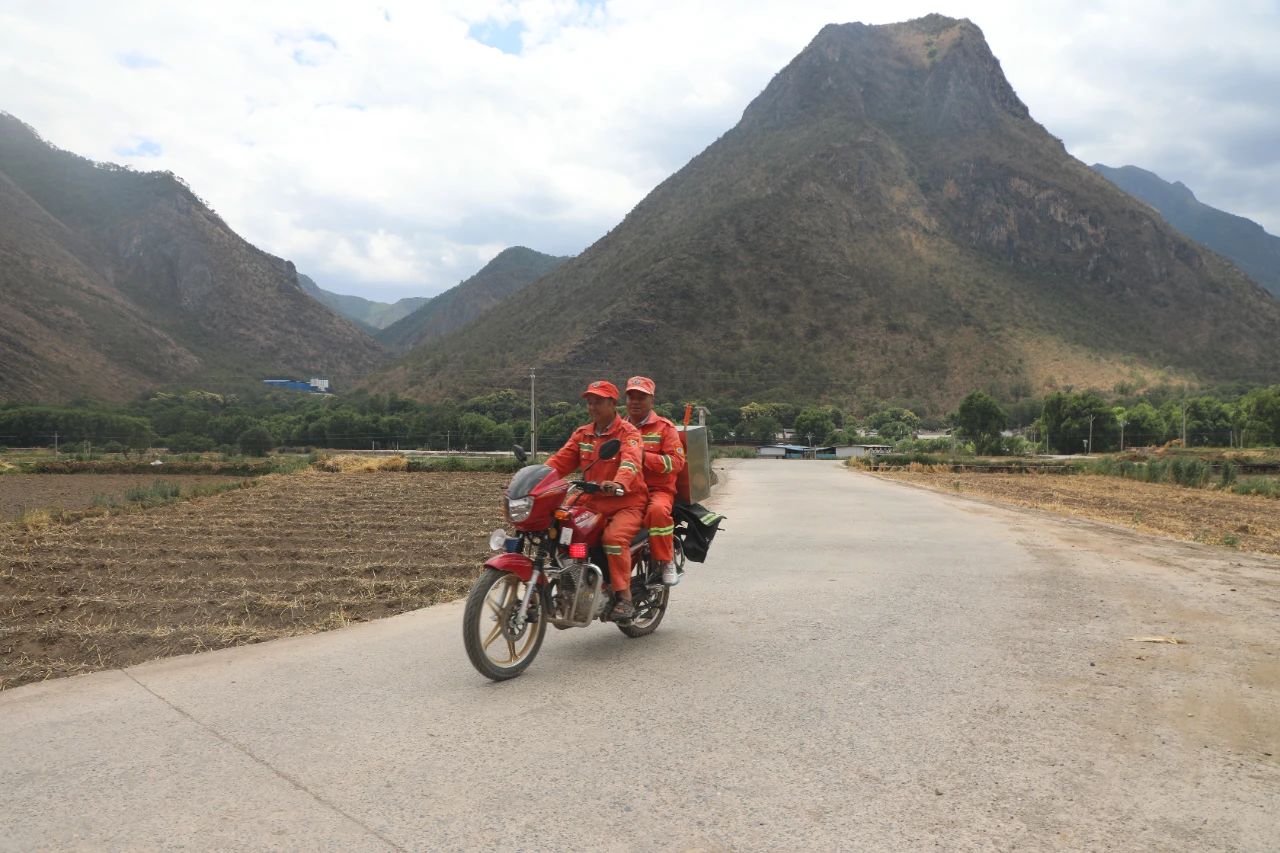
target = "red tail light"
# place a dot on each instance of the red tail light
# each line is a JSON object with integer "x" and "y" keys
{"x": 578, "y": 551}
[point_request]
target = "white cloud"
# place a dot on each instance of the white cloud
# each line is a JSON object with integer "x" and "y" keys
{"x": 389, "y": 152}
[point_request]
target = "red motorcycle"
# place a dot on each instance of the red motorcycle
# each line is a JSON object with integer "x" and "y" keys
{"x": 548, "y": 572}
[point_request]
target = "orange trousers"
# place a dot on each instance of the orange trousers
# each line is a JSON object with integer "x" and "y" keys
{"x": 624, "y": 516}
{"x": 657, "y": 517}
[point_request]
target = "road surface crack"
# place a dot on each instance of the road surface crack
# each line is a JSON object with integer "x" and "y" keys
{"x": 244, "y": 750}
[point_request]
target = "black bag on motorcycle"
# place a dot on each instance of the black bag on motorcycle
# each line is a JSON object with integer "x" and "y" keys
{"x": 696, "y": 527}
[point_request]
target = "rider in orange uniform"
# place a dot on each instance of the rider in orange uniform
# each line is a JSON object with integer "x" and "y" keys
{"x": 624, "y": 513}
{"x": 663, "y": 462}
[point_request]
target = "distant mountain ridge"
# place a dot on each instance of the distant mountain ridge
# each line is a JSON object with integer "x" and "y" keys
{"x": 886, "y": 221}
{"x": 368, "y": 314}
{"x": 1242, "y": 240}
{"x": 115, "y": 281}
{"x": 510, "y": 271}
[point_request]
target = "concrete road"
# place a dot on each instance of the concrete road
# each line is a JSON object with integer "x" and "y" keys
{"x": 861, "y": 666}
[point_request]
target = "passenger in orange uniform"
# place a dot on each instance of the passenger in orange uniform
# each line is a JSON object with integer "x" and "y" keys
{"x": 663, "y": 462}
{"x": 623, "y": 513}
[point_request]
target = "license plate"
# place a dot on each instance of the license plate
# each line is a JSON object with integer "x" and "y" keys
{"x": 566, "y": 535}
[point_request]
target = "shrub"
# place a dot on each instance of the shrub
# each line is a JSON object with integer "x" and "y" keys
{"x": 1265, "y": 486}
{"x": 157, "y": 494}
{"x": 35, "y": 520}
{"x": 733, "y": 453}
{"x": 1190, "y": 472}
{"x": 903, "y": 459}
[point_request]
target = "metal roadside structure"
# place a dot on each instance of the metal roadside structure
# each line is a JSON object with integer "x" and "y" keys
{"x": 694, "y": 483}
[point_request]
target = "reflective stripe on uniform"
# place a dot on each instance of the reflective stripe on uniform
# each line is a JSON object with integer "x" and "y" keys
{"x": 613, "y": 549}
{"x": 662, "y": 531}
{"x": 585, "y": 448}
{"x": 710, "y": 517}
{"x": 666, "y": 463}
{"x": 652, "y": 438}
{"x": 630, "y": 466}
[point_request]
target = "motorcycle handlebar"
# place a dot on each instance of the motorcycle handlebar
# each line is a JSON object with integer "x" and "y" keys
{"x": 592, "y": 488}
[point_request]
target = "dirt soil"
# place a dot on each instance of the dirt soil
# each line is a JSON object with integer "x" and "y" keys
{"x": 21, "y": 492}
{"x": 297, "y": 554}
{"x": 1247, "y": 522}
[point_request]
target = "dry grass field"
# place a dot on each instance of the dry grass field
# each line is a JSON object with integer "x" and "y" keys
{"x": 1248, "y": 522}
{"x": 296, "y": 554}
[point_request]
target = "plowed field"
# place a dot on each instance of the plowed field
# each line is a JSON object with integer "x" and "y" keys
{"x": 297, "y": 554}
{"x": 19, "y": 492}
{"x": 1248, "y": 522}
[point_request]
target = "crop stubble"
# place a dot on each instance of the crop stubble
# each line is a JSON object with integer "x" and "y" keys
{"x": 297, "y": 554}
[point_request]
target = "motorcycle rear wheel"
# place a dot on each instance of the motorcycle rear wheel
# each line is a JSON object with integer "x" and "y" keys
{"x": 495, "y": 649}
{"x": 646, "y": 624}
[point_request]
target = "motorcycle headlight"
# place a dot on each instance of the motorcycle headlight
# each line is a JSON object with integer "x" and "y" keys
{"x": 497, "y": 539}
{"x": 518, "y": 509}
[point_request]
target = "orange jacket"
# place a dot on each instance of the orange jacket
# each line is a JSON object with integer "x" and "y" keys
{"x": 663, "y": 453}
{"x": 580, "y": 451}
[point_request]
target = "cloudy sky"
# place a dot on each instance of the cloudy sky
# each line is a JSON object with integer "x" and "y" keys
{"x": 390, "y": 149}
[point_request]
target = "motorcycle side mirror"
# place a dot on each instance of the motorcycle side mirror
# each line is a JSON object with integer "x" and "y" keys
{"x": 520, "y": 453}
{"x": 610, "y": 448}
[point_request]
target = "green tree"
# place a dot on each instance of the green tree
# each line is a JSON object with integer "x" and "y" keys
{"x": 479, "y": 432}
{"x": 256, "y": 441}
{"x": 894, "y": 423}
{"x": 814, "y": 425}
{"x": 555, "y": 430}
{"x": 762, "y": 429}
{"x": 1143, "y": 425}
{"x": 187, "y": 442}
{"x": 1260, "y": 410}
{"x": 499, "y": 406}
{"x": 980, "y": 419}
{"x": 1208, "y": 422}
{"x": 1071, "y": 419}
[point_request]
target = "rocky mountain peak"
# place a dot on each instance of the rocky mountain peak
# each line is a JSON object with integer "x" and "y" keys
{"x": 887, "y": 220}
{"x": 931, "y": 74}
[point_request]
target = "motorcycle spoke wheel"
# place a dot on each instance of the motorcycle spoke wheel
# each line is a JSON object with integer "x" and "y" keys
{"x": 648, "y": 616}
{"x": 493, "y": 644}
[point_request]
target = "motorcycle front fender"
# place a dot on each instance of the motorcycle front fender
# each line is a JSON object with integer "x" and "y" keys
{"x": 518, "y": 564}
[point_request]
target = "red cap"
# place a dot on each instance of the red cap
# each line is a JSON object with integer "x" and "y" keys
{"x": 641, "y": 383}
{"x": 602, "y": 388}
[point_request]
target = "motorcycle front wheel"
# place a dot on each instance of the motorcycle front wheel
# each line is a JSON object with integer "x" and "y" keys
{"x": 495, "y": 646}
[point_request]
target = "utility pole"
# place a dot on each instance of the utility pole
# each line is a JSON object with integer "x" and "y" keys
{"x": 1184, "y": 421}
{"x": 55, "y": 442}
{"x": 448, "y": 441}
{"x": 1122, "y": 422}
{"x": 1091, "y": 434}
{"x": 533, "y": 413}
